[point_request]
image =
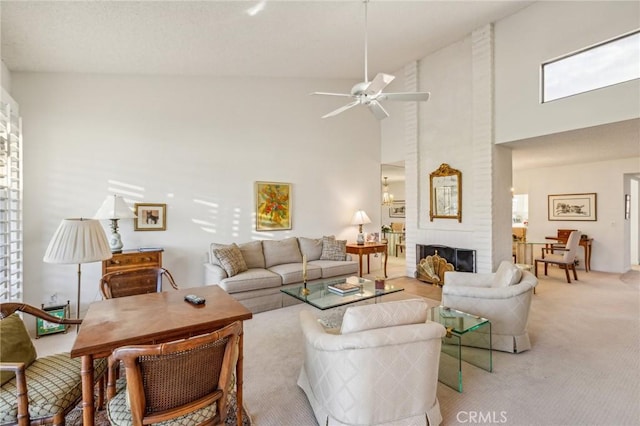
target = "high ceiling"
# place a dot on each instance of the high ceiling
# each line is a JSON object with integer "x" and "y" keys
{"x": 320, "y": 39}
{"x": 286, "y": 39}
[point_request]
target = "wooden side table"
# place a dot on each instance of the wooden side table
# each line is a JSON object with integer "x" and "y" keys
{"x": 368, "y": 248}
{"x": 135, "y": 258}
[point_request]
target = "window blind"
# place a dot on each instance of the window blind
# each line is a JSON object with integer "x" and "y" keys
{"x": 11, "y": 230}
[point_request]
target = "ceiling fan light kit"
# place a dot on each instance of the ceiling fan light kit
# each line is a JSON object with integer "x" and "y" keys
{"x": 369, "y": 93}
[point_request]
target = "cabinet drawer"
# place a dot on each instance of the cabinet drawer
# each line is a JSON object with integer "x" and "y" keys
{"x": 135, "y": 259}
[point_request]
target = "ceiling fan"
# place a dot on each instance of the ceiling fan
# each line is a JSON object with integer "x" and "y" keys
{"x": 369, "y": 93}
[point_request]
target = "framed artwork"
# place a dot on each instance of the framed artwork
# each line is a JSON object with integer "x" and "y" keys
{"x": 373, "y": 237}
{"x": 397, "y": 209}
{"x": 445, "y": 187}
{"x": 273, "y": 206}
{"x": 581, "y": 207}
{"x": 150, "y": 217}
{"x": 44, "y": 327}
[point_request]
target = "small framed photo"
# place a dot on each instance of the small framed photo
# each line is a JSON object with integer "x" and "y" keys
{"x": 572, "y": 207}
{"x": 273, "y": 206}
{"x": 150, "y": 217}
{"x": 397, "y": 209}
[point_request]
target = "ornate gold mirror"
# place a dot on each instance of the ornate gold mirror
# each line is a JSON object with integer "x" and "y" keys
{"x": 445, "y": 185}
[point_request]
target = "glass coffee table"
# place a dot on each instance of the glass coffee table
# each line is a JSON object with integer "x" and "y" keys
{"x": 320, "y": 297}
{"x": 468, "y": 339}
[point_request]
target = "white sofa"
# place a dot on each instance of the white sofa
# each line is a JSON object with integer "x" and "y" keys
{"x": 381, "y": 369}
{"x": 503, "y": 297}
{"x": 267, "y": 266}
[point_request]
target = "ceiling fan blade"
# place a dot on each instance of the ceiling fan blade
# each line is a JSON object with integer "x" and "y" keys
{"x": 341, "y": 109}
{"x": 348, "y": 95}
{"x": 406, "y": 96}
{"x": 377, "y": 110}
{"x": 379, "y": 82}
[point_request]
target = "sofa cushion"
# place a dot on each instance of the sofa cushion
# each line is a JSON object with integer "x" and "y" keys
{"x": 252, "y": 279}
{"x": 335, "y": 268}
{"x": 387, "y": 314}
{"x": 333, "y": 249}
{"x": 310, "y": 247}
{"x": 252, "y": 253}
{"x": 292, "y": 272}
{"x": 277, "y": 252}
{"x": 15, "y": 345}
{"x": 230, "y": 258}
{"x": 507, "y": 274}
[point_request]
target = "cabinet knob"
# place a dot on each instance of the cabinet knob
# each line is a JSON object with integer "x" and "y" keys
{"x": 147, "y": 259}
{"x": 115, "y": 262}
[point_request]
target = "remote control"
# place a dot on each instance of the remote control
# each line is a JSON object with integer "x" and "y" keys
{"x": 196, "y": 300}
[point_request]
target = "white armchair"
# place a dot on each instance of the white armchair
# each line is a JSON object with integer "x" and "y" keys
{"x": 381, "y": 369}
{"x": 503, "y": 297}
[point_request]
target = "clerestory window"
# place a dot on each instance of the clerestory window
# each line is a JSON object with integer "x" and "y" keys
{"x": 608, "y": 63}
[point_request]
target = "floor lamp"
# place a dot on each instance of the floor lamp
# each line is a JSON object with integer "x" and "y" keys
{"x": 78, "y": 241}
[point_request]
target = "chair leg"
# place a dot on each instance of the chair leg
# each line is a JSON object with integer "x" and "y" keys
{"x": 545, "y": 267}
{"x": 575, "y": 275}
{"x": 566, "y": 271}
{"x": 535, "y": 268}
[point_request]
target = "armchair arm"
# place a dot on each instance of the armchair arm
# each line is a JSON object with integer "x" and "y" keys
{"x": 213, "y": 274}
{"x": 468, "y": 279}
{"x": 21, "y": 390}
{"x": 486, "y": 292}
{"x": 320, "y": 340}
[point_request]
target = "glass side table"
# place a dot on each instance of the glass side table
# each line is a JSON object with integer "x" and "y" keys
{"x": 462, "y": 329}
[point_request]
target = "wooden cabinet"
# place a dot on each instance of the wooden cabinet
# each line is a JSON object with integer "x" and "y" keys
{"x": 129, "y": 259}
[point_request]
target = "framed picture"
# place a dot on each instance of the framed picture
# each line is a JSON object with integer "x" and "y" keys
{"x": 373, "y": 237}
{"x": 572, "y": 207}
{"x": 273, "y": 206}
{"x": 397, "y": 209}
{"x": 150, "y": 217}
{"x": 44, "y": 327}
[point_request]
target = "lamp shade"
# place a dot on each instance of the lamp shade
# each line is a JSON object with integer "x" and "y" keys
{"x": 78, "y": 241}
{"x": 114, "y": 207}
{"x": 360, "y": 218}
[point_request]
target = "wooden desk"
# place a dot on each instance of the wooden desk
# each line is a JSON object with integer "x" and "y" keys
{"x": 152, "y": 318}
{"x": 368, "y": 248}
{"x": 586, "y": 244}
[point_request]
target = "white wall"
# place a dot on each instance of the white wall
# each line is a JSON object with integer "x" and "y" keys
{"x": 547, "y": 30}
{"x": 606, "y": 179}
{"x": 197, "y": 144}
{"x": 5, "y": 78}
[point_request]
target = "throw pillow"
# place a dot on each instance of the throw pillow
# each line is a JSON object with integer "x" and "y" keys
{"x": 15, "y": 345}
{"x": 333, "y": 249}
{"x": 507, "y": 274}
{"x": 214, "y": 260}
{"x": 231, "y": 259}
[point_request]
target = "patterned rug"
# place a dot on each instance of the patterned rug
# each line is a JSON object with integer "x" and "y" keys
{"x": 74, "y": 418}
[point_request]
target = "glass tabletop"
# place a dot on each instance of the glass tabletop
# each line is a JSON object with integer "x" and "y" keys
{"x": 322, "y": 298}
{"x": 459, "y": 322}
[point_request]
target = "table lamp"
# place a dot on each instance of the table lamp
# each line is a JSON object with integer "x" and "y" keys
{"x": 114, "y": 208}
{"x": 360, "y": 218}
{"x": 78, "y": 241}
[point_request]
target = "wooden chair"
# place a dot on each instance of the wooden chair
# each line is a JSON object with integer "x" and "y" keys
{"x": 134, "y": 281}
{"x": 566, "y": 260}
{"x": 44, "y": 390}
{"x": 561, "y": 240}
{"x": 191, "y": 377}
{"x": 400, "y": 245}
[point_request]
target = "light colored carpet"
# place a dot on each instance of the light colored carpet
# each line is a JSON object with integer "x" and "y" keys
{"x": 583, "y": 369}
